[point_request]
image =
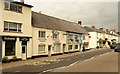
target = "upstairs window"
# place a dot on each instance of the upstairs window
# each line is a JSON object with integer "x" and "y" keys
{"x": 7, "y": 5}
{"x": 12, "y": 26}
{"x": 41, "y": 34}
{"x": 55, "y": 34}
{"x": 13, "y": 7}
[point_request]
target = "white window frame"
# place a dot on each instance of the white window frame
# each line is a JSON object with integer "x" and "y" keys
{"x": 9, "y": 7}
{"x": 69, "y": 47}
{"x": 57, "y": 47}
{"x": 41, "y": 34}
{"x": 8, "y": 28}
{"x": 75, "y": 46}
{"x": 41, "y": 48}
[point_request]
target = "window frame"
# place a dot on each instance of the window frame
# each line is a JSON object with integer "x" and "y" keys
{"x": 75, "y": 46}
{"x": 70, "y": 48}
{"x": 42, "y": 34}
{"x": 13, "y": 8}
{"x": 10, "y": 29}
{"x": 57, "y": 47}
{"x": 41, "y": 46}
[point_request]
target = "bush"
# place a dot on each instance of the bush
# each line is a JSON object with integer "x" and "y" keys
{"x": 5, "y": 59}
{"x": 14, "y": 58}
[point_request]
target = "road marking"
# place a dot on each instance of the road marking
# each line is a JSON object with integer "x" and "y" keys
{"x": 74, "y": 63}
{"x": 17, "y": 71}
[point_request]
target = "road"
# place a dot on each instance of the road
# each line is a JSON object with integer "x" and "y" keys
{"x": 104, "y": 63}
{"x": 47, "y": 65}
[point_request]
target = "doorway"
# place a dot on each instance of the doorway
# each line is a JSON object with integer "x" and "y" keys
{"x": 24, "y": 55}
{"x": 49, "y": 50}
{"x": 24, "y": 50}
{"x": 64, "y": 46}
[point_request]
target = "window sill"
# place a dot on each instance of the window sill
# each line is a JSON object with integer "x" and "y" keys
{"x": 12, "y": 32}
{"x": 41, "y": 52}
{"x": 42, "y": 39}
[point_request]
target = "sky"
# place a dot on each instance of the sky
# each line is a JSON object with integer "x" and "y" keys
{"x": 99, "y": 13}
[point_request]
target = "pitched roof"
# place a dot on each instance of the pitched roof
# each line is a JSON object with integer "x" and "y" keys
{"x": 90, "y": 29}
{"x": 40, "y": 20}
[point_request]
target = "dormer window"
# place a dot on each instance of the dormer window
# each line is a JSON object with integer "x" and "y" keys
{"x": 12, "y": 7}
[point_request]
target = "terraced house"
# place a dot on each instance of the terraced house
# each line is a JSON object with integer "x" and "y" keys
{"x": 15, "y": 21}
{"x": 100, "y": 37}
{"x": 26, "y": 34}
{"x": 54, "y": 36}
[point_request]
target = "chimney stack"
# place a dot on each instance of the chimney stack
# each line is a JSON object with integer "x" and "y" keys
{"x": 80, "y": 22}
{"x": 101, "y": 29}
{"x": 22, "y": 1}
{"x": 93, "y": 26}
{"x": 107, "y": 30}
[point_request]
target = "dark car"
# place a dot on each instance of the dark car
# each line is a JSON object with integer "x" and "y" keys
{"x": 113, "y": 45}
{"x": 117, "y": 48}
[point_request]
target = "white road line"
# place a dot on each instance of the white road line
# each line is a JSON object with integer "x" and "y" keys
{"x": 75, "y": 63}
{"x": 17, "y": 71}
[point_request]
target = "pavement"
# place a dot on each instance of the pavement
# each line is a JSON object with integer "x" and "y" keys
{"x": 24, "y": 62}
{"x": 104, "y": 63}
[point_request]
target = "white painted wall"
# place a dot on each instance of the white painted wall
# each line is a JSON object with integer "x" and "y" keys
{"x": 93, "y": 40}
{"x": 48, "y": 41}
{"x": 25, "y": 18}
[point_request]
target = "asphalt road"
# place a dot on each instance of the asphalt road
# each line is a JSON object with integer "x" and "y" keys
{"x": 47, "y": 65}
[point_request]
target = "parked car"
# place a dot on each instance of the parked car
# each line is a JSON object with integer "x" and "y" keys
{"x": 117, "y": 48}
{"x": 113, "y": 45}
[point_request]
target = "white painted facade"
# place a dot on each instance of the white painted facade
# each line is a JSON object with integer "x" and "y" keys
{"x": 93, "y": 40}
{"x": 48, "y": 40}
{"x": 26, "y": 30}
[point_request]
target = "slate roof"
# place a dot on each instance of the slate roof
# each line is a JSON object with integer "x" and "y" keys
{"x": 90, "y": 29}
{"x": 40, "y": 20}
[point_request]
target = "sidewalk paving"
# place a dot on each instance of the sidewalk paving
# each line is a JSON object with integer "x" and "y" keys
{"x": 25, "y": 62}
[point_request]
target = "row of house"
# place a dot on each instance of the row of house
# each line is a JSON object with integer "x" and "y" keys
{"x": 25, "y": 34}
{"x": 100, "y": 38}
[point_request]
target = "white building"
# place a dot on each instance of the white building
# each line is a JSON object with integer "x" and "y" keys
{"x": 54, "y": 36}
{"x": 15, "y": 20}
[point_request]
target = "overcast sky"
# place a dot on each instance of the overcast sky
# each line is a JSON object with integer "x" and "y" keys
{"x": 100, "y": 13}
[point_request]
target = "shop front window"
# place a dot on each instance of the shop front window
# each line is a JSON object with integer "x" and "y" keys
{"x": 9, "y": 48}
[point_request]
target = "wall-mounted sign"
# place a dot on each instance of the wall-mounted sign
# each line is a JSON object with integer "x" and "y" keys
{"x": 24, "y": 39}
{"x": 8, "y": 38}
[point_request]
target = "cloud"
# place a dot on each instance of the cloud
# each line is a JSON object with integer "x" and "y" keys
{"x": 100, "y": 14}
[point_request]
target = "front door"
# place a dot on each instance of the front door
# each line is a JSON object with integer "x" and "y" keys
{"x": 49, "y": 50}
{"x": 64, "y": 45}
{"x": 24, "y": 55}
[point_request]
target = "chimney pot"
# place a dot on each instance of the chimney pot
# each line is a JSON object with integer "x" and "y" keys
{"x": 80, "y": 22}
{"x": 101, "y": 28}
{"x": 22, "y": 1}
{"x": 107, "y": 30}
{"x": 93, "y": 26}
